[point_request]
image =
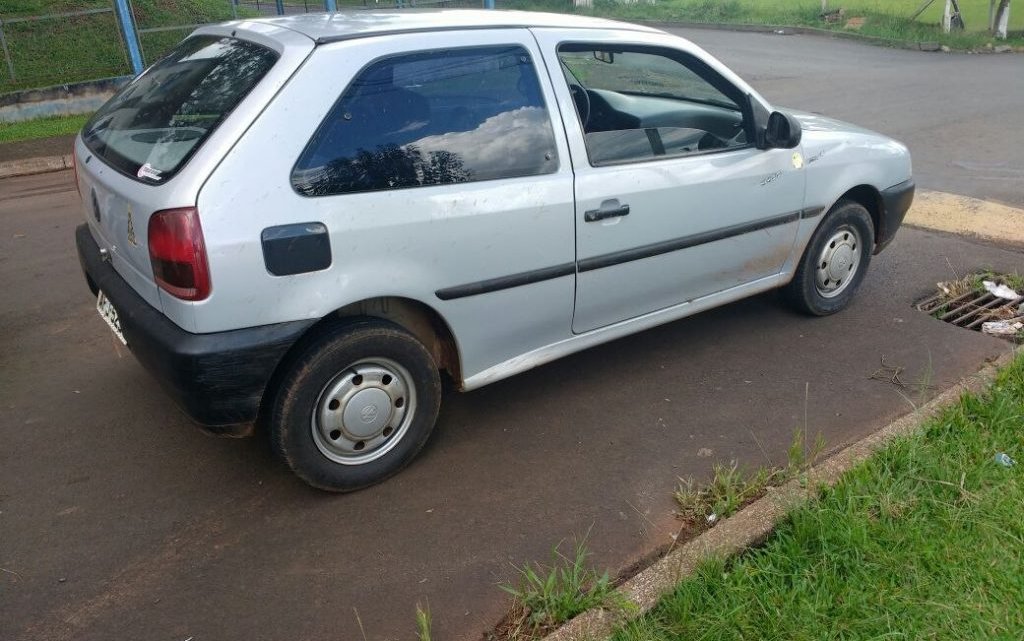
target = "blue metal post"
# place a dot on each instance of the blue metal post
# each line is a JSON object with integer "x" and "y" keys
{"x": 131, "y": 37}
{"x": 331, "y": 5}
{"x": 280, "y": 7}
{"x": 488, "y": 4}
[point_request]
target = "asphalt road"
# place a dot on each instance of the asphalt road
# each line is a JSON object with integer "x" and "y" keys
{"x": 118, "y": 520}
{"x": 962, "y": 115}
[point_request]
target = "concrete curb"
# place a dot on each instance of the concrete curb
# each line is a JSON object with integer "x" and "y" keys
{"x": 30, "y": 166}
{"x": 755, "y": 522}
{"x": 967, "y": 216}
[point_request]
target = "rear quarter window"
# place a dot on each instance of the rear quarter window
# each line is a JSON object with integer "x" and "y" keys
{"x": 151, "y": 128}
{"x": 432, "y": 118}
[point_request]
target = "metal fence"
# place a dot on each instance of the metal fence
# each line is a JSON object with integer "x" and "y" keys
{"x": 95, "y": 39}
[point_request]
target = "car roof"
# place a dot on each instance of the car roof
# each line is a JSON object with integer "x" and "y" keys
{"x": 345, "y": 25}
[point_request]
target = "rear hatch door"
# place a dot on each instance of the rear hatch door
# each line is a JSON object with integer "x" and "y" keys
{"x": 135, "y": 156}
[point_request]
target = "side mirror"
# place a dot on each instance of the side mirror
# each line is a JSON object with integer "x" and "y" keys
{"x": 783, "y": 131}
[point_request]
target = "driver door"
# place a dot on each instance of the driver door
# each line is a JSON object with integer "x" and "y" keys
{"x": 673, "y": 200}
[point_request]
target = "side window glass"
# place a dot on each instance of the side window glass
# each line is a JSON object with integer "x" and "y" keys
{"x": 432, "y": 118}
{"x": 639, "y": 104}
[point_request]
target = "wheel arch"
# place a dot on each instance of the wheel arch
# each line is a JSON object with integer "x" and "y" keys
{"x": 871, "y": 199}
{"x": 419, "y": 319}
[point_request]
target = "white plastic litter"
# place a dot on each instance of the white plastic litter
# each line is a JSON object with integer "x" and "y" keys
{"x": 1002, "y": 328}
{"x": 1000, "y": 291}
{"x": 712, "y": 518}
{"x": 1004, "y": 459}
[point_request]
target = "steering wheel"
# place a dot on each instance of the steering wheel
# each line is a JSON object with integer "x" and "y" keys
{"x": 711, "y": 141}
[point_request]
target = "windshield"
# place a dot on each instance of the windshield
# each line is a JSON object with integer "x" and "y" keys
{"x": 152, "y": 127}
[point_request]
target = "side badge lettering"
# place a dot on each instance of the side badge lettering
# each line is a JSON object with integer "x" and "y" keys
{"x": 770, "y": 178}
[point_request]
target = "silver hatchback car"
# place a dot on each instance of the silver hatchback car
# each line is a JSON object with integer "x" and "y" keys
{"x": 302, "y": 222}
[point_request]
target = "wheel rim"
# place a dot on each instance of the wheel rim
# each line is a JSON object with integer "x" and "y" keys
{"x": 364, "y": 411}
{"x": 839, "y": 262}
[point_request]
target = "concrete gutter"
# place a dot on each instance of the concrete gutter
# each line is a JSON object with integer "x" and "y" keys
{"x": 29, "y": 166}
{"x": 60, "y": 100}
{"x": 754, "y": 523}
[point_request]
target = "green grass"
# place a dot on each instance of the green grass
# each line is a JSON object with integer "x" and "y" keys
{"x": 67, "y": 50}
{"x": 731, "y": 488}
{"x": 887, "y": 19}
{"x": 924, "y": 540}
{"x": 41, "y": 128}
{"x": 549, "y": 595}
{"x": 423, "y": 623}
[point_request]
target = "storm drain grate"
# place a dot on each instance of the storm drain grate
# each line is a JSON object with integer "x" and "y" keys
{"x": 970, "y": 303}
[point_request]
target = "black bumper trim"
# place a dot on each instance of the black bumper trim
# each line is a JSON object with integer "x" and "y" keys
{"x": 218, "y": 378}
{"x": 896, "y": 200}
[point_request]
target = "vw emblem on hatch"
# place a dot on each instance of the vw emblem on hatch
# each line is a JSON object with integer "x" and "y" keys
{"x": 369, "y": 413}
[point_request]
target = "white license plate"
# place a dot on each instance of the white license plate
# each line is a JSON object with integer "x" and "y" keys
{"x": 109, "y": 315}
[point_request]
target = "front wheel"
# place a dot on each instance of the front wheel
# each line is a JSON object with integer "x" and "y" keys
{"x": 356, "y": 405}
{"x": 835, "y": 261}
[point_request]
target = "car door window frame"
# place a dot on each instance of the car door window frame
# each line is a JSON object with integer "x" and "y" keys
{"x": 538, "y": 72}
{"x": 689, "y": 61}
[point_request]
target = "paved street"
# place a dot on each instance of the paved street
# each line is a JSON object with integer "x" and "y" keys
{"x": 960, "y": 114}
{"x": 119, "y": 520}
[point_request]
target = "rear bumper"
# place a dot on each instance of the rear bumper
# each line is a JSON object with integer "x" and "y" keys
{"x": 218, "y": 379}
{"x": 896, "y": 200}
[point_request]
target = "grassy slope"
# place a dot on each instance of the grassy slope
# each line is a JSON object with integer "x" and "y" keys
{"x": 885, "y": 19}
{"x": 63, "y": 50}
{"x": 925, "y": 540}
{"x": 41, "y": 128}
{"x": 85, "y": 47}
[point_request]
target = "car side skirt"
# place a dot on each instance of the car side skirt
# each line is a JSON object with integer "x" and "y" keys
{"x": 581, "y": 342}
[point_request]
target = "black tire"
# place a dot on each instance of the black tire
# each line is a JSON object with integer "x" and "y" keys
{"x": 325, "y": 366}
{"x": 805, "y": 292}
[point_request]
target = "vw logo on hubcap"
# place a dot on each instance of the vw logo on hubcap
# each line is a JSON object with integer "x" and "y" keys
{"x": 369, "y": 413}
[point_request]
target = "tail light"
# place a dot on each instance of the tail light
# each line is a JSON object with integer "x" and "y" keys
{"x": 178, "y": 253}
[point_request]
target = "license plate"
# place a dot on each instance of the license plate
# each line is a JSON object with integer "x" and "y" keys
{"x": 109, "y": 315}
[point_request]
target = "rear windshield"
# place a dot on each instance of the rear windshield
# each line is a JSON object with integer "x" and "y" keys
{"x": 153, "y": 126}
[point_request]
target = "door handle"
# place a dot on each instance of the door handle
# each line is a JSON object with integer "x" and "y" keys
{"x": 608, "y": 209}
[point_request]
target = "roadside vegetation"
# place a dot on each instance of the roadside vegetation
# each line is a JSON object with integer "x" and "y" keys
{"x": 41, "y": 128}
{"x": 888, "y": 19}
{"x": 424, "y": 622}
{"x": 731, "y": 488}
{"x": 547, "y": 596}
{"x": 86, "y": 47}
{"x": 923, "y": 540}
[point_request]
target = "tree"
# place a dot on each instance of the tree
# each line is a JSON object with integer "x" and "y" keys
{"x": 999, "y": 17}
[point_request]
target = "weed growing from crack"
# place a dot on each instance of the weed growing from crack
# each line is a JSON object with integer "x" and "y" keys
{"x": 549, "y": 595}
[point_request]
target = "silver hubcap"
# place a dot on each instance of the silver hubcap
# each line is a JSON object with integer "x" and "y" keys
{"x": 838, "y": 262}
{"x": 364, "y": 411}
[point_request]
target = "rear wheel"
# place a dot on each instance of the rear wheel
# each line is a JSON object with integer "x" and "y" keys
{"x": 835, "y": 261}
{"x": 356, "y": 405}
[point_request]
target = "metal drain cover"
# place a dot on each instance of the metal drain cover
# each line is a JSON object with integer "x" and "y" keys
{"x": 973, "y": 308}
